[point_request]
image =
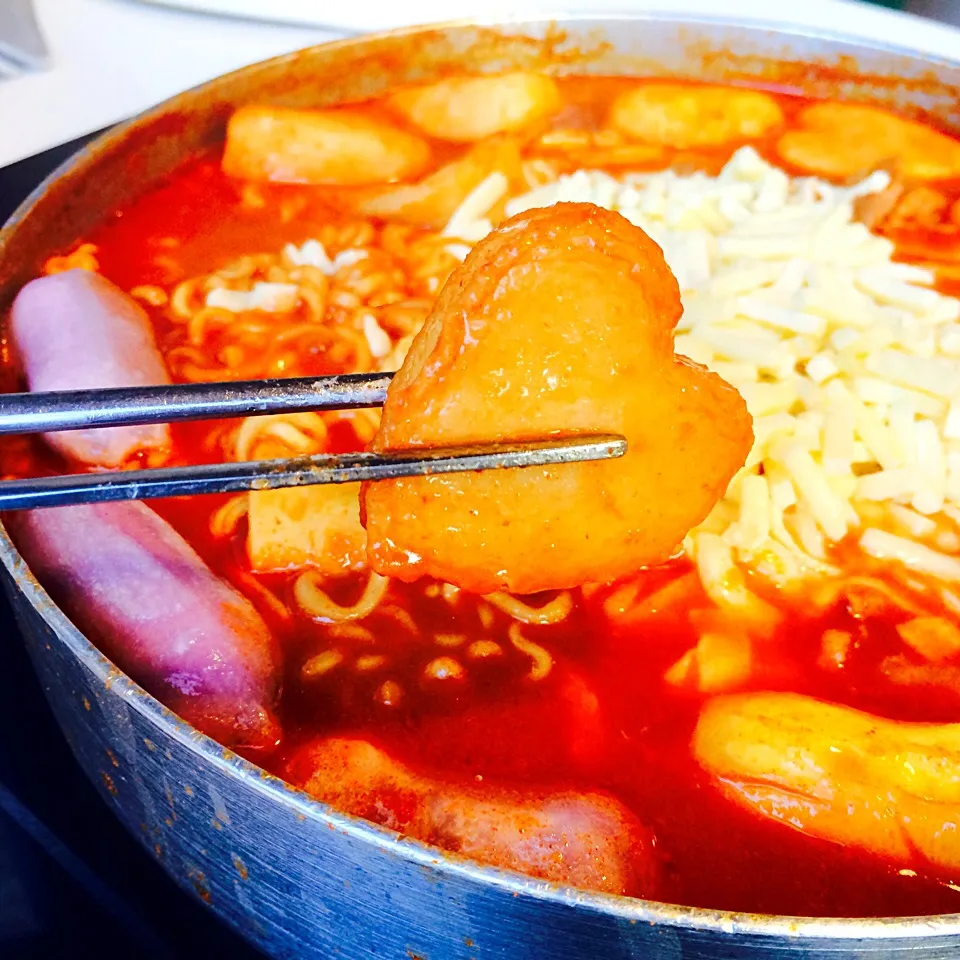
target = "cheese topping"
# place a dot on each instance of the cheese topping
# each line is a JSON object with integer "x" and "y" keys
{"x": 848, "y": 361}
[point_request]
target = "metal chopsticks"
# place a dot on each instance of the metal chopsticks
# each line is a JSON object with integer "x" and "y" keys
{"x": 44, "y": 412}
{"x": 126, "y": 406}
{"x": 301, "y": 471}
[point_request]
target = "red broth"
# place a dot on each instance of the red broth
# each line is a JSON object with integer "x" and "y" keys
{"x": 603, "y": 718}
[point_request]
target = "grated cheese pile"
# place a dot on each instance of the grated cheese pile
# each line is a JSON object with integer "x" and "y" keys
{"x": 849, "y": 363}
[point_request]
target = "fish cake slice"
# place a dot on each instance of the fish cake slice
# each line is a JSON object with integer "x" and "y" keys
{"x": 852, "y": 139}
{"x": 558, "y": 323}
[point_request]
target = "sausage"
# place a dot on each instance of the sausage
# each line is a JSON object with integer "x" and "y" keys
{"x": 76, "y": 331}
{"x": 589, "y": 841}
{"x": 128, "y": 578}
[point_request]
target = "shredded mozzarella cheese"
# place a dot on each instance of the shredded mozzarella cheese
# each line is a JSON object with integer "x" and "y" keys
{"x": 313, "y": 254}
{"x": 377, "y": 338}
{"x": 468, "y": 221}
{"x": 848, "y": 361}
{"x": 269, "y": 297}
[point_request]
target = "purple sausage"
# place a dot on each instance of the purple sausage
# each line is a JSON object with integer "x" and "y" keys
{"x": 127, "y": 577}
{"x": 75, "y": 331}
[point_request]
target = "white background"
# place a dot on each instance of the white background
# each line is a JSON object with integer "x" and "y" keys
{"x": 114, "y": 58}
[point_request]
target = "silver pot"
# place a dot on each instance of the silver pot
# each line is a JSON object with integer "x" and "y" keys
{"x": 293, "y": 876}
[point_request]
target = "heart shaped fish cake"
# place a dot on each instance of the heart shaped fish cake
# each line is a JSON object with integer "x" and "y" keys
{"x": 558, "y": 323}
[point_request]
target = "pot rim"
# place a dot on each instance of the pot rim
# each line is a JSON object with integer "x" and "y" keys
{"x": 117, "y": 683}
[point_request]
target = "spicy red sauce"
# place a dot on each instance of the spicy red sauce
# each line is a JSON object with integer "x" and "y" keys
{"x": 604, "y": 718}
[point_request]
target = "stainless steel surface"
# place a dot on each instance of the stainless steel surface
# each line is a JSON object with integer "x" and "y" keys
{"x": 300, "y": 472}
{"x": 22, "y": 46}
{"x": 125, "y": 406}
{"x": 295, "y": 877}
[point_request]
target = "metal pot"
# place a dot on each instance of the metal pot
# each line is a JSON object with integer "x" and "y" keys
{"x": 295, "y": 877}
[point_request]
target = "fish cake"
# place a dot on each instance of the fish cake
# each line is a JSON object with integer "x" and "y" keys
{"x": 884, "y": 786}
{"x": 558, "y": 323}
{"x": 849, "y": 139}
{"x": 465, "y": 109}
{"x": 685, "y": 116}
{"x": 342, "y": 147}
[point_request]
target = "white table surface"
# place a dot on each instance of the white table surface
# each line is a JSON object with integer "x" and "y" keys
{"x": 114, "y": 58}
